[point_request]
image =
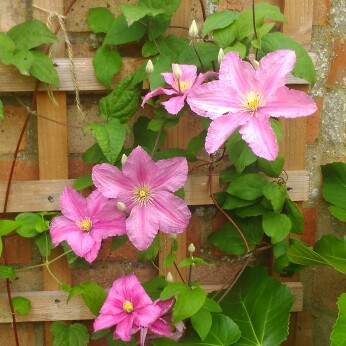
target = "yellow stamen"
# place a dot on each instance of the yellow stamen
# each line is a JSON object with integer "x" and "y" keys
{"x": 252, "y": 101}
{"x": 182, "y": 86}
{"x": 127, "y": 306}
{"x": 142, "y": 195}
{"x": 85, "y": 224}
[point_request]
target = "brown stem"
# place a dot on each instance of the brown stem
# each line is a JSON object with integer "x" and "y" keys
{"x": 158, "y": 138}
{"x": 254, "y": 26}
{"x": 211, "y": 167}
{"x": 179, "y": 273}
{"x": 204, "y": 13}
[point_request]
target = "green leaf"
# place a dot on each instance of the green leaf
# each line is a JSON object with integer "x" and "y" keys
{"x": 173, "y": 289}
{"x": 134, "y": 13}
{"x": 7, "y": 226}
{"x": 252, "y": 210}
{"x": 338, "y": 337}
{"x": 23, "y": 61}
{"x": 1, "y": 246}
{"x": 304, "y": 67}
{"x": 21, "y": 305}
{"x": 43, "y": 69}
{"x": 187, "y": 303}
{"x": 338, "y": 212}
{"x": 295, "y": 216}
{"x": 117, "y": 342}
{"x": 201, "y": 322}
{"x": 110, "y": 137}
{"x": 302, "y": 254}
{"x": 229, "y": 241}
{"x": 239, "y": 152}
{"x": 151, "y": 252}
{"x": 44, "y": 244}
{"x": 83, "y": 182}
{"x": 333, "y": 251}
{"x": 64, "y": 334}
{"x": 163, "y": 342}
{"x": 276, "y": 226}
{"x": 100, "y": 334}
{"x": 170, "y": 258}
{"x": 248, "y": 186}
{"x": 238, "y": 47}
{"x": 100, "y": 19}
{"x": 219, "y": 20}
{"x": 226, "y": 36}
{"x": 271, "y": 168}
{"x": 93, "y": 295}
{"x": 94, "y": 155}
{"x": 31, "y": 34}
{"x": 155, "y": 286}
{"x": 7, "y": 272}
{"x": 196, "y": 143}
{"x": 191, "y": 261}
{"x": 119, "y": 241}
{"x": 107, "y": 62}
{"x": 122, "y": 102}
{"x": 232, "y": 202}
{"x": 6, "y": 43}
{"x": 28, "y": 224}
{"x": 260, "y": 305}
{"x": 1, "y": 111}
{"x": 120, "y": 32}
{"x": 170, "y": 6}
{"x": 276, "y": 194}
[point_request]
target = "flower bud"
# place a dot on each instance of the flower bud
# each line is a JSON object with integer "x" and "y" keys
{"x": 193, "y": 31}
{"x": 220, "y": 55}
{"x": 255, "y": 64}
{"x": 173, "y": 236}
{"x": 123, "y": 159}
{"x": 177, "y": 71}
{"x": 191, "y": 248}
{"x": 121, "y": 206}
{"x": 169, "y": 277}
{"x": 149, "y": 68}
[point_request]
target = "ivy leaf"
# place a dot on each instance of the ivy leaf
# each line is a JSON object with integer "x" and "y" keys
{"x": 303, "y": 68}
{"x": 7, "y": 226}
{"x": 276, "y": 226}
{"x": 110, "y": 137}
{"x": 43, "y": 69}
{"x": 7, "y": 272}
{"x": 93, "y": 295}
{"x": 260, "y": 305}
{"x": 121, "y": 33}
{"x": 28, "y": 224}
{"x": 64, "y": 334}
{"x": 338, "y": 337}
{"x": 219, "y": 20}
{"x": 107, "y": 62}
{"x": 295, "y": 216}
{"x": 31, "y": 34}
{"x": 21, "y": 304}
{"x": 100, "y": 19}
{"x": 122, "y": 102}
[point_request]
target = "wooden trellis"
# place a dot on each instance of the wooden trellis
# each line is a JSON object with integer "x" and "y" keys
{"x": 50, "y": 305}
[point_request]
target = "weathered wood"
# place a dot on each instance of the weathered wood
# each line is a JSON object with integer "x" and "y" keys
{"x": 52, "y": 306}
{"x": 45, "y": 194}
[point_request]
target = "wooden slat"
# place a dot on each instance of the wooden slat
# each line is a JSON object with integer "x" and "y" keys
{"x": 12, "y": 80}
{"x": 39, "y": 195}
{"x": 52, "y": 306}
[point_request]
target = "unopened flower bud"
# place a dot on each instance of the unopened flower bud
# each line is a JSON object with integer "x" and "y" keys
{"x": 193, "y": 31}
{"x": 220, "y": 55}
{"x": 149, "y": 68}
{"x": 191, "y": 248}
{"x": 173, "y": 236}
{"x": 169, "y": 277}
{"x": 255, "y": 64}
{"x": 123, "y": 159}
{"x": 121, "y": 206}
{"x": 177, "y": 71}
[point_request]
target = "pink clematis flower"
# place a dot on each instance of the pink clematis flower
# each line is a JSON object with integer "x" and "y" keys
{"x": 127, "y": 306}
{"x": 146, "y": 188}
{"x": 247, "y": 98}
{"x": 182, "y": 86}
{"x": 85, "y": 222}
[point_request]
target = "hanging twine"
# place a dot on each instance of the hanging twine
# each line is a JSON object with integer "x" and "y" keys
{"x": 60, "y": 19}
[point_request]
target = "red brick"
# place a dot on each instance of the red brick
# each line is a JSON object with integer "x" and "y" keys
{"x": 18, "y": 250}
{"x": 309, "y": 232}
{"x": 78, "y": 168}
{"x": 337, "y": 73}
{"x": 321, "y": 12}
{"x": 193, "y": 234}
{"x": 123, "y": 253}
{"x": 313, "y": 123}
{"x": 23, "y": 170}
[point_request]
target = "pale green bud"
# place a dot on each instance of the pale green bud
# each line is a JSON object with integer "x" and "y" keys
{"x": 173, "y": 236}
{"x": 121, "y": 206}
{"x": 123, "y": 159}
{"x": 255, "y": 64}
{"x": 193, "y": 31}
{"x": 220, "y": 55}
{"x": 149, "y": 68}
{"x": 169, "y": 277}
{"x": 177, "y": 72}
{"x": 191, "y": 248}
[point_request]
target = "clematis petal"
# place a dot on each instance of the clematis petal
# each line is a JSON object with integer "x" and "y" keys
{"x": 214, "y": 99}
{"x": 160, "y": 327}
{"x": 273, "y": 70}
{"x": 143, "y": 335}
{"x": 142, "y": 226}
{"x": 188, "y": 72}
{"x": 139, "y": 167}
{"x": 111, "y": 182}
{"x": 91, "y": 255}
{"x": 95, "y": 202}
{"x": 113, "y": 304}
{"x": 175, "y": 104}
{"x": 172, "y": 174}
{"x": 61, "y": 228}
{"x": 164, "y": 305}
{"x": 289, "y": 104}
{"x": 158, "y": 91}
{"x": 124, "y": 328}
{"x": 203, "y": 76}
{"x": 237, "y": 73}
{"x": 221, "y": 128}
{"x": 106, "y": 321}
{"x": 172, "y": 213}
{"x": 259, "y": 135}
{"x": 80, "y": 242}
{"x": 146, "y": 315}
{"x": 73, "y": 204}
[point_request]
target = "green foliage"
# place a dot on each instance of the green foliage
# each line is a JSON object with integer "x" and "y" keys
{"x": 44, "y": 244}
{"x": 295, "y": 216}
{"x": 100, "y": 19}
{"x": 191, "y": 261}
{"x": 219, "y": 20}
{"x": 338, "y": 337}
{"x": 93, "y": 295}
{"x": 334, "y": 188}
{"x": 7, "y": 226}
{"x": 29, "y": 223}
{"x": 119, "y": 241}
{"x": 1, "y": 111}
{"x": 83, "y": 182}
{"x": 151, "y": 252}
{"x": 7, "y": 272}
{"x": 260, "y": 305}
{"x": 21, "y": 305}
{"x": 276, "y": 226}
{"x": 155, "y": 286}
{"x": 64, "y": 334}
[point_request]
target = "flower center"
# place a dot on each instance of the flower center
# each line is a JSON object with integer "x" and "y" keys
{"x": 85, "y": 224}
{"x": 182, "y": 86}
{"x": 127, "y": 306}
{"x": 142, "y": 195}
{"x": 252, "y": 101}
